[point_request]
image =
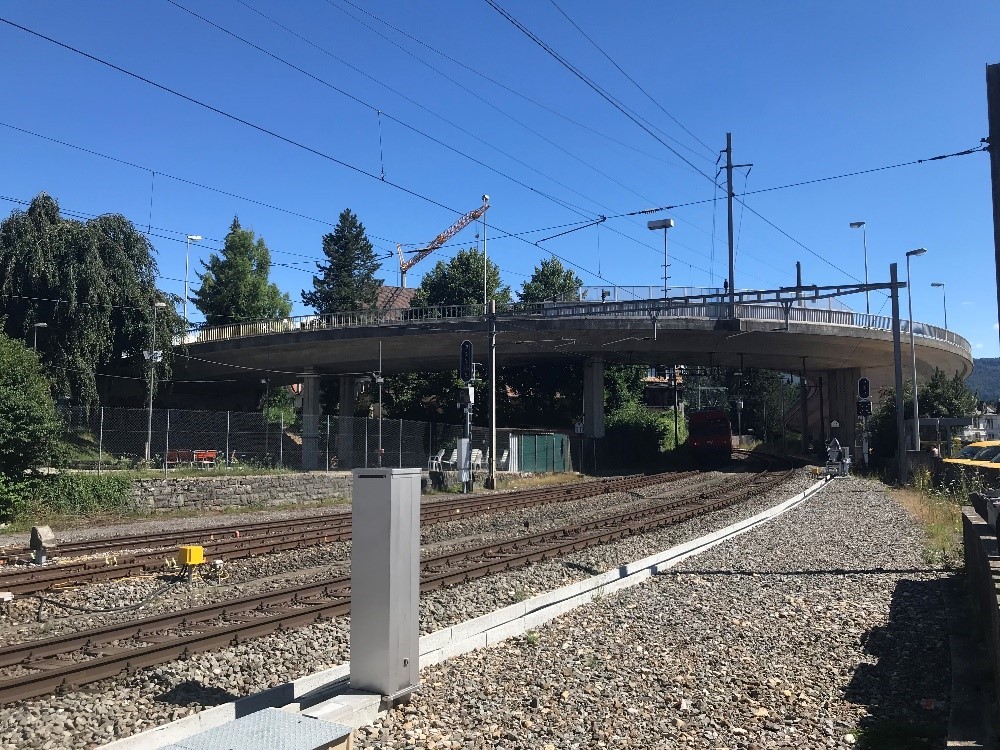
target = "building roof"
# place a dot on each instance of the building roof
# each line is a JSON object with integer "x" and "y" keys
{"x": 394, "y": 297}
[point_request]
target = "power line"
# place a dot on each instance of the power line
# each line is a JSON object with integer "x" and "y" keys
{"x": 630, "y": 78}
{"x": 273, "y": 134}
{"x": 591, "y": 84}
{"x": 480, "y": 74}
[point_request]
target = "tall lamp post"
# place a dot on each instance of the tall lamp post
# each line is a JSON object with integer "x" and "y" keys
{"x": 864, "y": 238}
{"x": 46, "y": 325}
{"x": 944, "y": 300}
{"x": 152, "y": 371}
{"x": 187, "y": 254}
{"x": 913, "y": 351}
{"x": 663, "y": 224}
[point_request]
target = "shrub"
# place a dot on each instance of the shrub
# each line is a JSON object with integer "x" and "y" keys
{"x": 66, "y": 494}
{"x": 29, "y": 426}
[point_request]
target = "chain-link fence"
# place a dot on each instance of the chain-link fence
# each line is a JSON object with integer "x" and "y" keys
{"x": 114, "y": 438}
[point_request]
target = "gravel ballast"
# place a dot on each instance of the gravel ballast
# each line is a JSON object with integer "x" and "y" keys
{"x": 779, "y": 636}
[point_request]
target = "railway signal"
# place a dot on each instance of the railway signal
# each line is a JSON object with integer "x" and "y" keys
{"x": 864, "y": 389}
{"x": 864, "y": 408}
{"x": 465, "y": 366}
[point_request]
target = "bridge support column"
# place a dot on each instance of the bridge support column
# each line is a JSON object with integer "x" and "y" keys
{"x": 593, "y": 398}
{"x": 345, "y": 424}
{"x": 842, "y": 389}
{"x": 310, "y": 422}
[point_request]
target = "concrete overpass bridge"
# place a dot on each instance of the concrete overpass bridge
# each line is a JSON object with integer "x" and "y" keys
{"x": 788, "y": 330}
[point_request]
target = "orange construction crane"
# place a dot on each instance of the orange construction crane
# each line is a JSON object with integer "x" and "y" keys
{"x": 447, "y": 234}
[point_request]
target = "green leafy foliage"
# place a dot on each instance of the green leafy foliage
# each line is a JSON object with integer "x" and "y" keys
{"x": 93, "y": 286}
{"x": 29, "y": 426}
{"x": 235, "y": 285}
{"x": 940, "y": 396}
{"x": 460, "y": 282}
{"x": 68, "y": 494}
{"x": 551, "y": 281}
{"x": 347, "y": 278}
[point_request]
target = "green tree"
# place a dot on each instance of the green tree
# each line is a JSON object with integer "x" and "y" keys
{"x": 551, "y": 281}
{"x": 460, "y": 282}
{"x": 29, "y": 426}
{"x": 940, "y": 396}
{"x": 93, "y": 286}
{"x": 347, "y": 278}
{"x": 235, "y": 285}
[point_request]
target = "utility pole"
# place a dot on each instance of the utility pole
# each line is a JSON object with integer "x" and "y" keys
{"x": 993, "y": 107}
{"x": 897, "y": 361}
{"x": 491, "y": 480}
{"x": 729, "y": 207}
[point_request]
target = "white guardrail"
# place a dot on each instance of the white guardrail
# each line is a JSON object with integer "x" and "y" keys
{"x": 714, "y": 310}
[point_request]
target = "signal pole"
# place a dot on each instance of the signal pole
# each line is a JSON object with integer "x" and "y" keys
{"x": 729, "y": 207}
{"x": 993, "y": 108}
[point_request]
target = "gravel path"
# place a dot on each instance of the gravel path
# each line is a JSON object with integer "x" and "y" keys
{"x": 747, "y": 640}
{"x": 823, "y": 629}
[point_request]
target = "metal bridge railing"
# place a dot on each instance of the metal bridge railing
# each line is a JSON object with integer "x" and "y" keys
{"x": 799, "y": 311}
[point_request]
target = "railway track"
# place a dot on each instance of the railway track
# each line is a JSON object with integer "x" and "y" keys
{"x": 246, "y": 540}
{"x": 40, "y": 667}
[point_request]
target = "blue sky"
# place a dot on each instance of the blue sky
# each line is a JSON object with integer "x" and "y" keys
{"x": 450, "y": 101}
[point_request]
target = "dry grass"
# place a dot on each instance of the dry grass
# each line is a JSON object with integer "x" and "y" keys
{"x": 941, "y": 518}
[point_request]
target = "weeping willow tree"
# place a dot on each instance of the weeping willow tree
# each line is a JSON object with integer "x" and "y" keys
{"x": 92, "y": 285}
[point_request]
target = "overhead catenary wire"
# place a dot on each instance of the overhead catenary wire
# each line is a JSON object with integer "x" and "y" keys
{"x": 269, "y": 132}
{"x": 631, "y": 80}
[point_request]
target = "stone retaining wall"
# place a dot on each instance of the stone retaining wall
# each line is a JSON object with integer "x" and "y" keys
{"x": 218, "y": 492}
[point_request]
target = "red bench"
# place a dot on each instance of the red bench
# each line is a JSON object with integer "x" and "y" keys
{"x": 201, "y": 459}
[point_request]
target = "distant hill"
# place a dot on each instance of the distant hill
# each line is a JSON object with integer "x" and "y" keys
{"x": 985, "y": 378}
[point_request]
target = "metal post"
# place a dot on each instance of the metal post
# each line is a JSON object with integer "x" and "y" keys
{"x": 491, "y": 480}
{"x": 993, "y": 117}
{"x": 166, "y": 446}
{"x": 729, "y": 205}
{"x": 281, "y": 442}
{"x": 229, "y": 463}
{"x": 379, "y": 380}
{"x": 366, "y": 442}
{"x": 822, "y": 413}
{"x": 913, "y": 354}
{"x": 400, "y": 443}
{"x": 328, "y": 442}
{"x": 152, "y": 386}
{"x": 897, "y": 361}
{"x": 100, "y": 444}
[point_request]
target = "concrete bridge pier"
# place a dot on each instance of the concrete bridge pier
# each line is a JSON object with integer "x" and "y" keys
{"x": 593, "y": 398}
{"x": 842, "y": 397}
{"x": 345, "y": 425}
{"x": 310, "y": 421}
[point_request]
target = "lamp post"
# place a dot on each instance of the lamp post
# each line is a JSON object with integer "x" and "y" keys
{"x": 864, "y": 238}
{"x": 944, "y": 300}
{"x": 152, "y": 371}
{"x": 46, "y": 325}
{"x": 913, "y": 351}
{"x": 187, "y": 252}
{"x": 663, "y": 224}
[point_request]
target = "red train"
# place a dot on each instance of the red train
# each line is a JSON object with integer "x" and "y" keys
{"x": 710, "y": 436}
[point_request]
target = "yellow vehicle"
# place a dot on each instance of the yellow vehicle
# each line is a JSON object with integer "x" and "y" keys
{"x": 976, "y": 454}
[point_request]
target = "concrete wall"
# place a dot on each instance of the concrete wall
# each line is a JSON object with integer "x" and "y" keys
{"x": 982, "y": 568}
{"x": 240, "y": 491}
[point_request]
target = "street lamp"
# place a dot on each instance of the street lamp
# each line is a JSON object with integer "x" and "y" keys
{"x": 46, "y": 325}
{"x": 944, "y": 297}
{"x": 663, "y": 224}
{"x": 152, "y": 371}
{"x": 864, "y": 236}
{"x": 913, "y": 351}
{"x": 187, "y": 251}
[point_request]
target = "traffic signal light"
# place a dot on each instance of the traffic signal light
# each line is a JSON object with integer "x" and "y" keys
{"x": 864, "y": 388}
{"x": 864, "y": 408}
{"x": 465, "y": 364}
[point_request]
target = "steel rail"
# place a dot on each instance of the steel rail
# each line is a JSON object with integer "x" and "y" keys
{"x": 334, "y": 527}
{"x": 299, "y": 606}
